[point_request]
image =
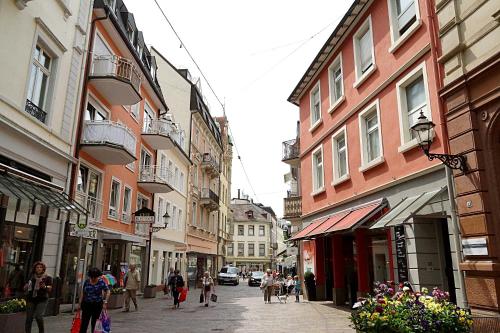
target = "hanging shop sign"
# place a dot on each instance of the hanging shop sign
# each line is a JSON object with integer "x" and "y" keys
{"x": 144, "y": 216}
{"x": 292, "y": 251}
{"x": 85, "y": 232}
{"x": 475, "y": 246}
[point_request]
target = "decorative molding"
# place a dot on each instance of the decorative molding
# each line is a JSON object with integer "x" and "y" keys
{"x": 63, "y": 4}
{"x": 53, "y": 37}
{"x": 21, "y": 4}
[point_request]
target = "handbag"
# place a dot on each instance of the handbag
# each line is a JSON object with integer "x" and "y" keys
{"x": 213, "y": 298}
{"x": 77, "y": 322}
{"x": 103, "y": 324}
{"x": 183, "y": 294}
{"x": 202, "y": 298}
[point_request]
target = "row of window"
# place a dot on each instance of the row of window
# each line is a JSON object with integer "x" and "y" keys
{"x": 207, "y": 221}
{"x": 250, "y": 250}
{"x": 404, "y": 19}
{"x": 412, "y": 97}
{"x": 176, "y": 214}
{"x": 251, "y": 230}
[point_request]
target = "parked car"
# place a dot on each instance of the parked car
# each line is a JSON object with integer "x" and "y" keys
{"x": 229, "y": 275}
{"x": 255, "y": 278}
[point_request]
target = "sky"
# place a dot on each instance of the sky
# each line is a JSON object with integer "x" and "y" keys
{"x": 253, "y": 53}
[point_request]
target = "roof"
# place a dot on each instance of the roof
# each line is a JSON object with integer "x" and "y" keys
{"x": 327, "y": 49}
{"x": 240, "y": 213}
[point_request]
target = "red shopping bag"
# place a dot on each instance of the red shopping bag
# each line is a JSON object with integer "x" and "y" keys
{"x": 77, "y": 322}
{"x": 182, "y": 294}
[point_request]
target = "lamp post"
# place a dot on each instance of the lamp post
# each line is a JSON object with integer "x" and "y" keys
{"x": 423, "y": 132}
{"x": 166, "y": 220}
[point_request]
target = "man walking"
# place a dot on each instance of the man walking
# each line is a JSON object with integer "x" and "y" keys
{"x": 132, "y": 283}
{"x": 267, "y": 286}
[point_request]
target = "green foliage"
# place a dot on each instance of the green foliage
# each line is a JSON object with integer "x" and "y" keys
{"x": 308, "y": 276}
{"x": 13, "y": 305}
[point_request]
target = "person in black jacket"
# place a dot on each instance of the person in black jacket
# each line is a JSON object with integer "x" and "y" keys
{"x": 176, "y": 282}
{"x": 37, "y": 296}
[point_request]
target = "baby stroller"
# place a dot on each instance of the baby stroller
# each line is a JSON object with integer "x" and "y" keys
{"x": 280, "y": 291}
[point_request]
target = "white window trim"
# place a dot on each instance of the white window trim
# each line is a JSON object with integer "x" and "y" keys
{"x": 118, "y": 200}
{"x": 92, "y": 99}
{"x": 337, "y": 179}
{"x": 321, "y": 188}
{"x": 125, "y": 186}
{"x": 397, "y": 41}
{"x": 336, "y": 103}
{"x": 362, "y": 78}
{"x": 407, "y": 144}
{"x": 365, "y": 165}
{"x": 320, "y": 119}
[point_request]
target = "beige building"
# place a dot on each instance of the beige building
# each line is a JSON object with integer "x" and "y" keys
{"x": 169, "y": 244}
{"x": 44, "y": 44}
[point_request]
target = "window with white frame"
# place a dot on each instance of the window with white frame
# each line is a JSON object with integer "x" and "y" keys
{"x": 340, "y": 155}
{"x": 241, "y": 249}
{"x": 181, "y": 182}
{"x": 174, "y": 217}
{"x": 114, "y": 199}
{"x": 230, "y": 249}
{"x": 251, "y": 249}
{"x": 262, "y": 250}
{"x": 371, "y": 140}
{"x": 262, "y": 230}
{"x": 315, "y": 106}
{"x": 160, "y": 213}
{"x": 335, "y": 80}
{"x": 94, "y": 112}
{"x": 176, "y": 178}
{"x": 127, "y": 204}
{"x": 40, "y": 77}
{"x": 403, "y": 14}
{"x": 317, "y": 169}
{"x": 364, "y": 57}
{"x": 167, "y": 210}
{"x": 413, "y": 98}
{"x": 148, "y": 118}
{"x": 193, "y": 213}
{"x": 133, "y": 109}
{"x": 179, "y": 220}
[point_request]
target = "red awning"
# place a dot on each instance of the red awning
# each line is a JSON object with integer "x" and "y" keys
{"x": 358, "y": 216}
{"x": 309, "y": 228}
{"x": 332, "y": 220}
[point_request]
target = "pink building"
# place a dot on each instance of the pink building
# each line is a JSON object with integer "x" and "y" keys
{"x": 373, "y": 206}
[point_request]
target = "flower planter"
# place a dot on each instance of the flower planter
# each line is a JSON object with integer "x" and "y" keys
{"x": 149, "y": 292}
{"x": 12, "y": 322}
{"x": 115, "y": 301}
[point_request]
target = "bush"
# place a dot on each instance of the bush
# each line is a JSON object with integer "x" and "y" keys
{"x": 406, "y": 311}
{"x": 116, "y": 291}
{"x": 13, "y": 305}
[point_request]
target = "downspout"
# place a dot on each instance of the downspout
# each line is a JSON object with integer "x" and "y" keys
{"x": 435, "y": 51}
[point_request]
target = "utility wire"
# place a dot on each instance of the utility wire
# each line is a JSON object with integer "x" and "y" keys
{"x": 213, "y": 92}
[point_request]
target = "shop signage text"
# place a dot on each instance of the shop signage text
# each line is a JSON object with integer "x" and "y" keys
{"x": 475, "y": 246}
{"x": 86, "y": 232}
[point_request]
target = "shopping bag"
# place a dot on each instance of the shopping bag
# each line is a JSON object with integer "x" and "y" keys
{"x": 103, "y": 324}
{"x": 213, "y": 298}
{"x": 77, "y": 322}
{"x": 182, "y": 294}
{"x": 202, "y": 298}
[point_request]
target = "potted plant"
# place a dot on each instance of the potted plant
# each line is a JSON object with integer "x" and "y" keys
{"x": 407, "y": 311}
{"x": 150, "y": 291}
{"x": 115, "y": 298}
{"x": 13, "y": 315}
{"x": 310, "y": 285}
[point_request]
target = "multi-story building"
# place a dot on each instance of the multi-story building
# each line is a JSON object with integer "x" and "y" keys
{"x": 204, "y": 192}
{"x": 373, "y": 206}
{"x": 225, "y": 192}
{"x": 122, "y": 125}
{"x": 469, "y": 32}
{"x": 251, "y": 248}
{"x": 44, "y": 48}
{"x": 169, "y": 245}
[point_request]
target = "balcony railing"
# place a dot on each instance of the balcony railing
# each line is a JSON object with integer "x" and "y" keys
{"x": 210, "y": 163}
{"x": 291, "y": 150}
{"x": 93, "y": 205}
{"x": 116, "y": 66}
{"x": 207, "y": 193}
{"x": 35, "y": 111}
{"x": 155, "y": 174}
{"x": 293, "y": 207}
{"x": 108, "y": 132}
{"x": 165, "y": 129}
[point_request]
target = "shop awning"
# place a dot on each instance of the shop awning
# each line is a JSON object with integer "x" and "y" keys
{"x": 14, "y": 185}
{"x": 407, "y": 208}
{"x": 303, "y": 233}
{"x": 122, "y": 236}
{"x": 332, "y": 220}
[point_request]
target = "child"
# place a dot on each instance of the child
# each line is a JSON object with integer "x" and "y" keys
{"x": 297, "y": 288}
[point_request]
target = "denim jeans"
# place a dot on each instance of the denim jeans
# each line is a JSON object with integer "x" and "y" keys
{"x": 35, "y": 310}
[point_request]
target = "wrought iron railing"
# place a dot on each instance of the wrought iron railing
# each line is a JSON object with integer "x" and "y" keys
{"x": 293, "y": 207}
{"x": 93, "y": 205}
{"x": 291, "y": 149}
{"x": 106, "y": 131}
{"x": 113, "y": 65}
{"x": 207, "y": 193}
{"x": 209, "y": 160}
{"x": 35, "y": 111}
{"x": 155, "y": 174}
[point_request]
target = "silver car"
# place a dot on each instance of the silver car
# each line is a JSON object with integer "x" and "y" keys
{"x": 229, "y": 275}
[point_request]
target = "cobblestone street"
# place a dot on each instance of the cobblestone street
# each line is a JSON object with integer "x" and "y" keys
{"x": 239, "y": 309}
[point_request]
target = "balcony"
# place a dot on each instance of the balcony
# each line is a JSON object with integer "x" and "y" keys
{"x": 208, "y": 199}
{"x": 291, "y": 152}
{"x": 35, "y": 111}
{"x": 155, "y": 179}
{"x": 116, "y": 78}
{"x": 210, "y": 165}
{"x": 293, "y": 207}
{"x": 93, "y": 205}
{"x": 161, "y": 134}
{"x": 109, "y": 142}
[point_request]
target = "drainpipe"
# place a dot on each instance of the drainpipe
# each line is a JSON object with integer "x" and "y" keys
{"x": 439, "y": 82}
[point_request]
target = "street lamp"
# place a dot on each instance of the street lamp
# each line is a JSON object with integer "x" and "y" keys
{"x": 423, "y": 132}
{"x": 166, "y": 220}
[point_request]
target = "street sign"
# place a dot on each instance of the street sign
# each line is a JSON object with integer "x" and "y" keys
{"x": 86, "y": 232}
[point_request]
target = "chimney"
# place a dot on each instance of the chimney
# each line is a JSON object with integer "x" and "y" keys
{"x": 238, "y": 193}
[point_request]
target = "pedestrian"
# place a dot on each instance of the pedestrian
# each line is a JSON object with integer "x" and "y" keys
{"x": 290, "y": 284}
{"x": 176, "y": 282}
{"x": 132, "y": 283}
{"x": 15, "y": 281}
{"x": 208, "y": 287}
{"x": 167, "y": 290}
{"x": 267, "y": 286}
{"x": 94, "y": 297}
{"x": 296, "y": 288}
{"x": 37, "y": 295}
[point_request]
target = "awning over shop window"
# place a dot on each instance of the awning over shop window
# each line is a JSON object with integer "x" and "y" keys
{"x": 346, "y": 220}
{"x": 407, "y": 208}
{"x": 19, "y": 188}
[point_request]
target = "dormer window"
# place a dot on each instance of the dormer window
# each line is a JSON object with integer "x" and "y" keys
{"x": 140, "y": 48}
{"x": 153, "y": 71}
{"x": 249, "y": 214}
{"x": 130, "y": 33}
